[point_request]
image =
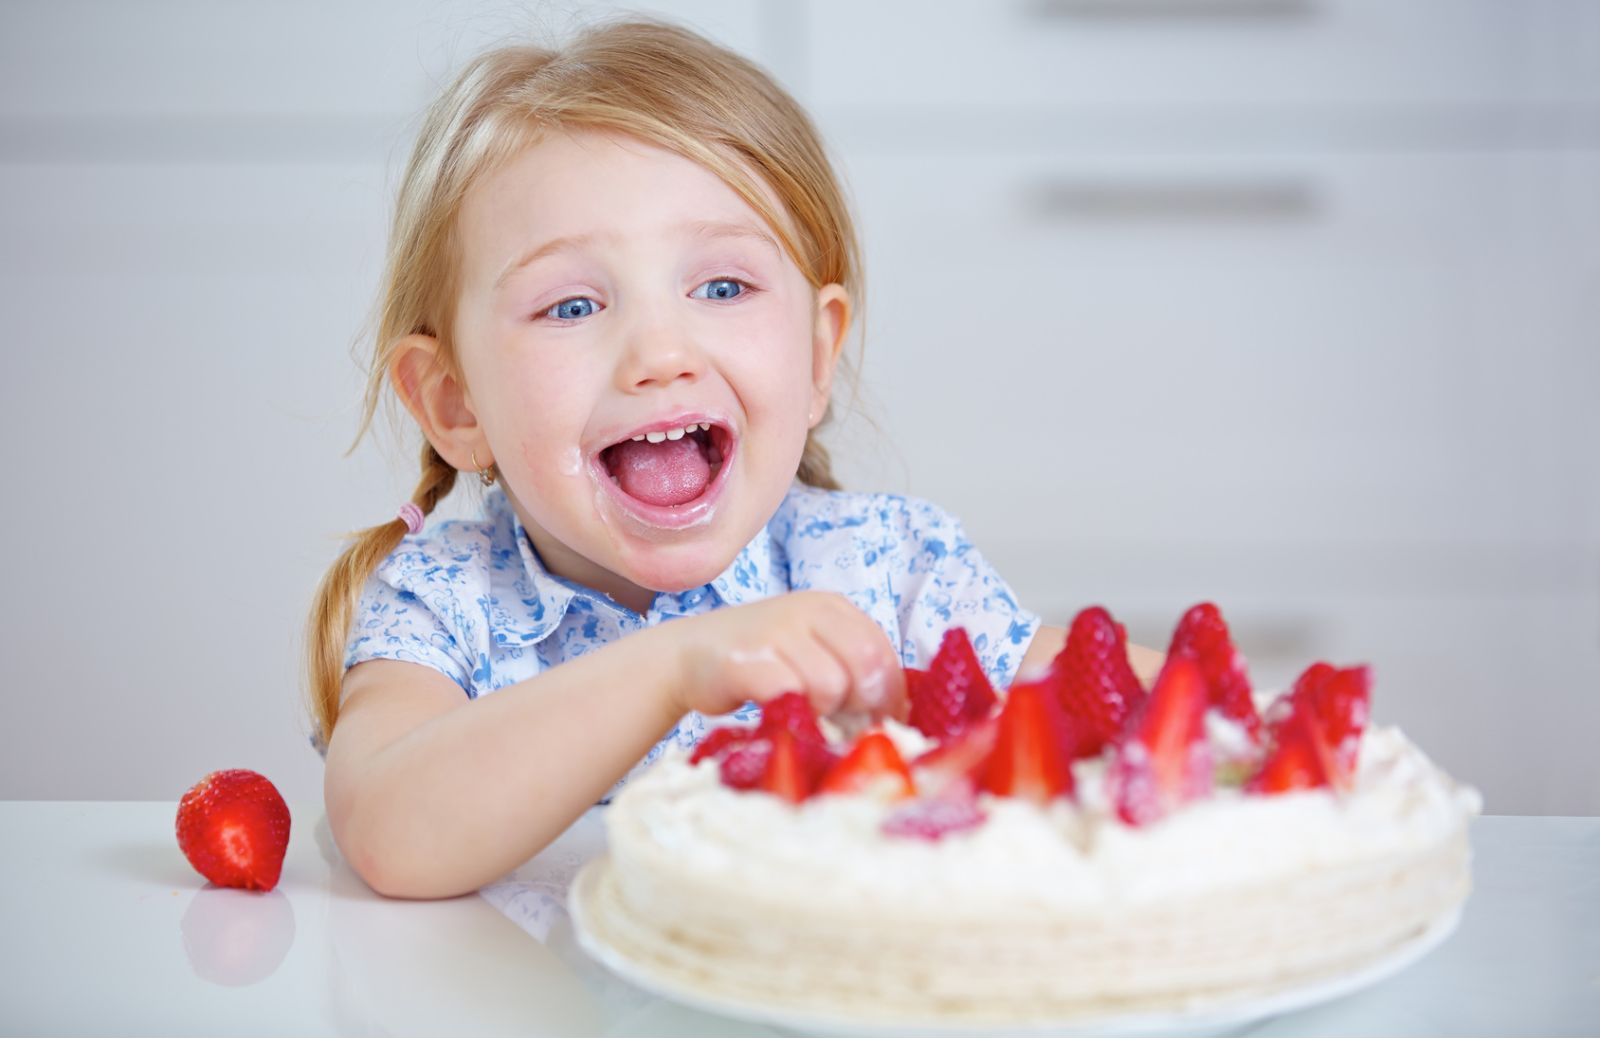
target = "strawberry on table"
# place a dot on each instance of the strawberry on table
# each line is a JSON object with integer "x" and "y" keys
{"x": 233, "y": 826}
{"x": 873, "y": 765}
{"x": 1164, "y": 759}
{"x": 1093, "y": 680}
{"x": 1203, "y": 634}
{"x": 954, "y": 692}
{"x": 1032, "y": 755}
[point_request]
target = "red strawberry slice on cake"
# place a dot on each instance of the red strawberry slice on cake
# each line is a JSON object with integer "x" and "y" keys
{"x": 934, "y": 818}
{"x": 719, "y": 741}
{"x": 958, "y": 761}
{"x": 795, "y": 767}
{"x": 786, "y": 754}
{"x": 1032, "y": 755}
{"x": 872, "y": 766}
{"x": 953, "y": 693}
{"x": 1203, "y": 634}
{"x": 1315, "y": 731}
{"x": 1292, "y": 762}
{"x": 1093, "y": 680}
{"x": 1164, "y": 760}
{"x": 1341, "y": 704}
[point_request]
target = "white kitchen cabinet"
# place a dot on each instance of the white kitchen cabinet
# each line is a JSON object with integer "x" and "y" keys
{"x": 1286, "y": 305}
{"x": 971, "y": 55}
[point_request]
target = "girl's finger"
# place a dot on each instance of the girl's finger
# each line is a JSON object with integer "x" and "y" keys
{"x": 823, "y": 677}
{"x": 863, "y": 650}
{"x": 761, "y": 674}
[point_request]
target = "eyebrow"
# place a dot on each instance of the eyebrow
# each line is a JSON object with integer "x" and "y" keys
{"x": 702, "y": 229}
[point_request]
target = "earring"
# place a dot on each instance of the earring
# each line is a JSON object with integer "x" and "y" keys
{"x": 485, "y": 472}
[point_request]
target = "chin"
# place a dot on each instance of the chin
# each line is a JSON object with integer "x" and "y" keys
{"x": 673, "y": 574}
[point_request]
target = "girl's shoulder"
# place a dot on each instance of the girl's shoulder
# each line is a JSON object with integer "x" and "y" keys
{"x": 463, "y": 553}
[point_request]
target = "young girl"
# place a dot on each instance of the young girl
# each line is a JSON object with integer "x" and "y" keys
{"x": 619, "y": 283}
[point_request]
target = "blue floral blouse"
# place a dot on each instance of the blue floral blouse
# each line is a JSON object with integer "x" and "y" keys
{"x": 472, "y": 599}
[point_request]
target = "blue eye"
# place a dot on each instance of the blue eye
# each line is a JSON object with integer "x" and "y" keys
{"x": 720, "y": 288}
{"x": 572, "y": 309}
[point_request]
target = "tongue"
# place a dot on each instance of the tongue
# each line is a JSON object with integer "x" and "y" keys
{"x": 666, "y": 473}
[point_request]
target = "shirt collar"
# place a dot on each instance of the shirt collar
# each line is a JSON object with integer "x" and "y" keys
{"x": 550, "y": 596}
{"x": 749, "y": 578}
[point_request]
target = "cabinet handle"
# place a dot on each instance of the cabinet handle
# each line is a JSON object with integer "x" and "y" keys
{"x": 1167, "y": 10}
{"x": 1114, "y": 201}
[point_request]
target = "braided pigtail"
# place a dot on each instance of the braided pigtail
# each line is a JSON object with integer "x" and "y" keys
{"x": 816, "y": 466}
{"x": 329, "y": 626}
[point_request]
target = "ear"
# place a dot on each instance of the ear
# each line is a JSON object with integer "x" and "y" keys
{"x": 829, "y": 330}
{"x": 438, "y": 401}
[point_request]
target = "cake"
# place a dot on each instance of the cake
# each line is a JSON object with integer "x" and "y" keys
{"x": 1078, "y": 849}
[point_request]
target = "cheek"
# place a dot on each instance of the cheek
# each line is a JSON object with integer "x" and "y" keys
{"x": 782, "y": 372}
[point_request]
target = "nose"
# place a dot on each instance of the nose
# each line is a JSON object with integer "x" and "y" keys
{"x": 657, "y": 353}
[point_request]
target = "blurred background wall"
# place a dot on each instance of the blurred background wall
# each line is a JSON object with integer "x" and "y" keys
{"x": 1289, "y": 304}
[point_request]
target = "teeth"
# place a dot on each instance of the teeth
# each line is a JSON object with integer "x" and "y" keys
{"x": 673, "y": 434}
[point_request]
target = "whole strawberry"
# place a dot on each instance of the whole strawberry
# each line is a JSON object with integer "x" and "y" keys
{"x": 1095, "y": 683}
{"x": 1203, "y": 634}
{"x": 954, "y": 692}
{"x": 233, "y": 826}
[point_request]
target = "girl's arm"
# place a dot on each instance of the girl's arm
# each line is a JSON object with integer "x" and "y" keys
{"x": 1047, "y": 641}
{"x": 428, "y": 798}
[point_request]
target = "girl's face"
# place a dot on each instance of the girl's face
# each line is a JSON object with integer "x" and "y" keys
{"x": 612, "y": 290}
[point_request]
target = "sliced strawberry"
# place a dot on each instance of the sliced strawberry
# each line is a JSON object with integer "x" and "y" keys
{"x": 791, "y": 773}
{"x": 233, "y": 826}
{"x": 1322, "y": 717}
{"x": 743, "y": 766}
{"x": 792, "y": 712}
{"x": 934, "y": 818}
{"x": 785, "y": 754}
{"x": 953, "y": 692}
{"x": 1341, "y": 706}
{"x": 1032, "y": 756}
{"x": 873, "y": 765}
{"x": 1293, "y": 761}
{"x": 957, "y": 761}
{"x": 1164, "y": 760}
{"x": 1203, "y": 634}
{"x": 719, "y": 740}
{"x": 1093, "y": 680}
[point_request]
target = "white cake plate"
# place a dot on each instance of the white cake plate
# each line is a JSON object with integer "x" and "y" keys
{"x": 1192, "y": 1023}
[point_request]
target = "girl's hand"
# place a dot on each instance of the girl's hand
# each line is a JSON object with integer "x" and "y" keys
{"x": 814, "y": 642}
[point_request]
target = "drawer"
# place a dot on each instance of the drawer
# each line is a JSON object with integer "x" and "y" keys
{"x": 1255, "y": 54}
{"x": 1319, "y": 348}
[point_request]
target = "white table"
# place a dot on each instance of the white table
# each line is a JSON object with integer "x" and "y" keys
{"x": 107, "y": 930}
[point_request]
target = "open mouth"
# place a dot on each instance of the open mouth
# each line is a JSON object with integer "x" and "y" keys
{"x": 668, "y": 468}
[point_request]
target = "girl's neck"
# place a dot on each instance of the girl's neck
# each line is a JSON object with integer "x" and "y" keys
{"x": 567, "y": 564}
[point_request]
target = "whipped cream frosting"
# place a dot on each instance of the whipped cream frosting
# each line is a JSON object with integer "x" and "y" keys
{"x": 1073, "y": 855}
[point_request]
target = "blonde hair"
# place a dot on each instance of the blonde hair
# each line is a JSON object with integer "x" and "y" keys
{"x": 649, "y": 80}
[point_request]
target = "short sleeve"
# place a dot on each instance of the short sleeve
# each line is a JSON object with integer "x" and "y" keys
{"x": 393, "y": 623}
{"x": 944, "y": 582}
